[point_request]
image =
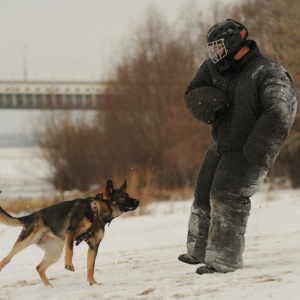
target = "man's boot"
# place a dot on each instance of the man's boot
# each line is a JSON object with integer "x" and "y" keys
{"x": 188, "y": 259}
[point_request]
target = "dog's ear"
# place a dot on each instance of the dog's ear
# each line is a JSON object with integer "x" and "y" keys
{"x": 124, "y": 186}
{"x": 109, "y": 189}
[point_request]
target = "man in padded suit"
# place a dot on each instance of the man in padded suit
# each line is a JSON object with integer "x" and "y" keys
{"x": 250, "y": 101}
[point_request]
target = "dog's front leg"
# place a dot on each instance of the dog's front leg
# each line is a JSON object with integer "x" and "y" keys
{"x": 91, "y": 258}
{"x": 92, "y": 254}
{"x": 69, "y": 244}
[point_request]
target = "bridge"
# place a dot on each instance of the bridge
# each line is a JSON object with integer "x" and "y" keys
{"x": 51, "y": 94}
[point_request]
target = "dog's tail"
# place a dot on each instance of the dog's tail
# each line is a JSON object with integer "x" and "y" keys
{"x": 7, "y": 219}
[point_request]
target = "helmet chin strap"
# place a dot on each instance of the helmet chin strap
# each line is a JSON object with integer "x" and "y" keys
{"x": 227, "y": 62}
{"x": 223, "y": 65}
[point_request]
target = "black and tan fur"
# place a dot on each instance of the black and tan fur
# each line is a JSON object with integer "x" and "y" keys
{"x": 61, "y": 224}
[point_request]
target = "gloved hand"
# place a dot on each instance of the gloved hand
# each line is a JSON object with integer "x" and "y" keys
{"x": 206, "y": 103}
{"x": 215, "y": 109}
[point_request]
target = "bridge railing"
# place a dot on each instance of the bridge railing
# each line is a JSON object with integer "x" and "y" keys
{"x": 49, "y": 101}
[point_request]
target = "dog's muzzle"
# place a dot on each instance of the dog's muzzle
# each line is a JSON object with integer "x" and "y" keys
{"x": 130, "y": 205}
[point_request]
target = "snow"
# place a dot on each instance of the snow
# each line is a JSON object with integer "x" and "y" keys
{"x": 138, "y": 258}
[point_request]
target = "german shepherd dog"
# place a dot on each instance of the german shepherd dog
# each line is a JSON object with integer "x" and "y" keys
{"x": 64, "y": 223}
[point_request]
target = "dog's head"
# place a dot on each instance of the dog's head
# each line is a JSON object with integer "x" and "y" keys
{"x": 119, "y": 197}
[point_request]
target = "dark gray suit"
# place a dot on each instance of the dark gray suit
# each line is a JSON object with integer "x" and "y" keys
{"x": 251, "y": 108}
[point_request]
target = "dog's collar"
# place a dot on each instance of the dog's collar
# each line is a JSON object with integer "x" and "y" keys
{"x": 108, "y": 205}
{"x": 99, "y": 197}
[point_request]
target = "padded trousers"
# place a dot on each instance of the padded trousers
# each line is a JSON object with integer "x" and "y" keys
{"x": 219, "y": 214}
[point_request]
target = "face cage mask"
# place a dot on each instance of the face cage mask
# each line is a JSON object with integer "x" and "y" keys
{"x": 217, "y": 50}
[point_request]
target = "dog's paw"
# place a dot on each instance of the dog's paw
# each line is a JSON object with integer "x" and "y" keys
{"x": 70, "y": 268}
{"x": 48, "y": 284}
{"x": 92, "y": 281}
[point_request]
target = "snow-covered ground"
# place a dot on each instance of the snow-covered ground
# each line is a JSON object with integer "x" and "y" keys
{"x": 138, "y": 256}
{"x": 138, "y": 259}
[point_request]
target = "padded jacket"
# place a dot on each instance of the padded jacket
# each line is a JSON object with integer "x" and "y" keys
{"x": 251, "y": 106}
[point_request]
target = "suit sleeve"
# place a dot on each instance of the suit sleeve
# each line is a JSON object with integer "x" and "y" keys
{"x": 278, "y": 102}
{"x": 203, "y": 100}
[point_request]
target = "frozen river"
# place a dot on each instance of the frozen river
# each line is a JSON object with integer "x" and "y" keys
{"x": 23, "y": 173}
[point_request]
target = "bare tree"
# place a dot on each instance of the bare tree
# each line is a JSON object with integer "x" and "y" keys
{"x": 69, "y": 147}
{"x": 146, "y": 112}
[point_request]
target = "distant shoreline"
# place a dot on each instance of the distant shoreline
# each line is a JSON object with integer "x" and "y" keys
{"x": 17, "y": 140}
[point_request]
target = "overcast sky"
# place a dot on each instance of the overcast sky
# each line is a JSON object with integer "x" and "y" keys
{"x": 70, "y": 39}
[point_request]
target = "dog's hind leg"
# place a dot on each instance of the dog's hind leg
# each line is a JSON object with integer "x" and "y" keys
{"x": 53, "y": 250}
{"x": 27, "y": 237}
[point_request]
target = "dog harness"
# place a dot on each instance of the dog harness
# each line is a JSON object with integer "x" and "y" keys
{"x": 96, "y": 225}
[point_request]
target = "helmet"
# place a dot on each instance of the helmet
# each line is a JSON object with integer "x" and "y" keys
{"x": 225, "y": 39}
